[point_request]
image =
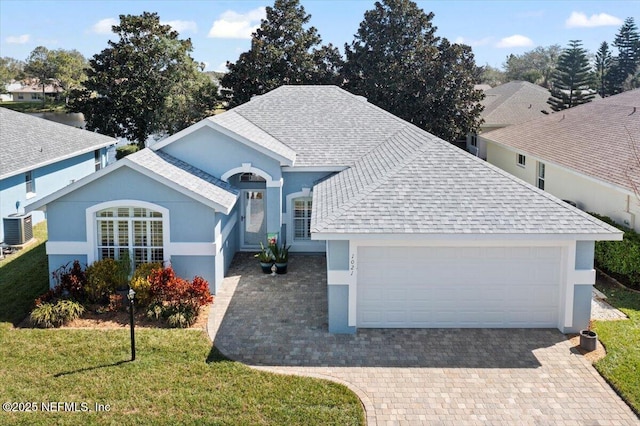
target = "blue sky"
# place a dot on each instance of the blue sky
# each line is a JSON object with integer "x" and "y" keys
{"x": 220, "y": 30}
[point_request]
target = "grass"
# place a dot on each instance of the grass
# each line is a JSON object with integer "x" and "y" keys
{"x": 49, "y": 106}
{"x": 621, "y": 366}
{"x": 177, "y": 378}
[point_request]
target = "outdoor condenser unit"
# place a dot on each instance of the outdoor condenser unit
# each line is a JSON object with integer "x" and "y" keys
{"x": 18, "y": 229}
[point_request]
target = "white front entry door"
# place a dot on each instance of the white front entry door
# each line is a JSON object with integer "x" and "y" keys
{"x": 469, "y": 287}
{"x": 253, "y": 218}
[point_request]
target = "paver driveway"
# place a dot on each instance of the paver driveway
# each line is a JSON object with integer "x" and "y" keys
{"x": 436, "y": 376}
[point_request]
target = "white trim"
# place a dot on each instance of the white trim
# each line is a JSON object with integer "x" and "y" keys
{"x": 91, "y": 228}
{"x": 67, "y": 247}
{"x": 190, "y": 249}
{"x": 338, "y": 277}
{"x": 583, "y": 276}
{"x": 352, "y": 281}
{"x": 465, "y": 239}
{"x": 569, "y": 265}
{"x": 248, "y": 168}
{"x": 303, "y": 169}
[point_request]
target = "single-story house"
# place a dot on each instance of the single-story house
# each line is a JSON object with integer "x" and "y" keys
{"x": 38, "y": 157}
{"x": 511, "y": 103}
{"x": 33, "y": 92}
{"x": 589, "y": 154}
{"x": 417, "y": 233}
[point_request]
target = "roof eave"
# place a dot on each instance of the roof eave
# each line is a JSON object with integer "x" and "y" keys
{"x": 469, "y": 237}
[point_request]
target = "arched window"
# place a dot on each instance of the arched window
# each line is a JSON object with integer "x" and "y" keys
{"x": 137, "y": 231}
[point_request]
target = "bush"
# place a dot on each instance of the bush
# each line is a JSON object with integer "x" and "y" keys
{"x": 69, "y": 281}
{"x": 140, "y": 282}
{"x": 104, "y": 277}
{"x": 620, "y": 258}
{"x": 123, "y": 151}
{"x": 175, "y": 299}
{"x": 49, "y": 315}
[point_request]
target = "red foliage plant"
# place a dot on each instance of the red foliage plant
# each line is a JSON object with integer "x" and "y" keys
{"x": 166, "y": 287}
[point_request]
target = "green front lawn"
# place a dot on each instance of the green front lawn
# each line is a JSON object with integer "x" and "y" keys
{"x": 621, "y": 366}
{"x": 177, "y": 378}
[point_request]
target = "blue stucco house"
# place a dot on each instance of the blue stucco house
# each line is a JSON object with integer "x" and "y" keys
{"x": 417, "y": 233}
{"x": 39, "y": 157}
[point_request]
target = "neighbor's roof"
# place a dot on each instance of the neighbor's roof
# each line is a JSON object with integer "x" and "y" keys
{"x": 600, "y": 139}
{"x": 36, "y": 88}
{"x": 28, "y": 142}
{"x": 513, "y": 103}
{"x": 416, "y": 184}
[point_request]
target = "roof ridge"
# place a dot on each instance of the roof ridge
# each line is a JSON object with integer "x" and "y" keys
{"x": 260, "y": 127}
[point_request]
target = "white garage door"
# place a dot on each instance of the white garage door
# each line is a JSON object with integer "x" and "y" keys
{"x": 430, "y": 287}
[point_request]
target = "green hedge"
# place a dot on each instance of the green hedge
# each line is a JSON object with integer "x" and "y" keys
{"x": 620, "y": 258}
{"x": 123, "y": 151}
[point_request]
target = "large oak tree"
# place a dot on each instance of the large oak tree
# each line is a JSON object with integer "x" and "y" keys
{"x": 397, "y": 62}
{"x": 145, "y": 83}
{"x": 283, "y": 51}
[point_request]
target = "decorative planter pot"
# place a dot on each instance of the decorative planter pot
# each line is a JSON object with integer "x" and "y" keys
{"x": 266, "y": 267}
{"x": 588, "y": 340}
{"x": 281, "y": 268}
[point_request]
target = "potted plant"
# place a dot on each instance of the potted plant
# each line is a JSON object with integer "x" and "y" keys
{"x": 266, "y": 258}
{"x": 280, "y": 257}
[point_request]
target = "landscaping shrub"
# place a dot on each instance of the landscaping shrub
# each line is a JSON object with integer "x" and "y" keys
{"x": 175, "y": 299}
{"x": 620, "y": 258}
{"x": 104, "y": 277}
{"x": 140, "y": 282}
{"x": 123, "y": 151}
{"x": 69, "y": 281}
{"x": 55, "y": 314}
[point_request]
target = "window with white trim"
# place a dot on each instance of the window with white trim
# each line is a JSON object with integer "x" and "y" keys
{"x": 541, "y": 173}
{"x": 97, "y": 159}
{"x": 522, "y": 160}
{"x": 133, "y": 230}
{"x": 302, "y": 218}
{"x": 474, "y": 139}
{"x": 30, "y": 184}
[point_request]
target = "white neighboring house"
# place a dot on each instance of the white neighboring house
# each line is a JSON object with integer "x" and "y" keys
{"x": 511, "y": 103}
{"x": 6, "y": 96}
{"x": 589, "y": 154}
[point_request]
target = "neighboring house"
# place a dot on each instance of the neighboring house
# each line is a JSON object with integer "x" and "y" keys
{"x": 417, "y": 232}
{"x": 33, "y": 93}
{"x": 6, "y": 96}
{"x": 589, "y": 154}
{"x": 508, "y": 104}
{"x": 38, "y": 157}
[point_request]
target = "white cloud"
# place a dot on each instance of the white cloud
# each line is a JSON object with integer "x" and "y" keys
{"x": 473, "y": 43}
{"x": 515, "y": 40}
{"x": 237, "y": 25}
{"x": 21, "y": 39}
{"x": 579, "y": 19}
{"x": 182, "y": 26}
{"x": 221, "y": 67}
{"x": 103, "y": 26}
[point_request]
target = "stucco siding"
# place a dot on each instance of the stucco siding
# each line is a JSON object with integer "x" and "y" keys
{"x": 58, "y": 260}
{"x": 589, "y": 194}
{"x": 189, "y": 266}
{"x": 47, "y": 180}
{"x": 216, "y": 153}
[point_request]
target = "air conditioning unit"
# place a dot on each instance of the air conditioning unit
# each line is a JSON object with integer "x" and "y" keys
{"x": 18, "y": 229}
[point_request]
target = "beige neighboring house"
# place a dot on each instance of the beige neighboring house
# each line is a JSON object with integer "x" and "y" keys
{"x": 589, "y": 154}
{"x": 511, "y": 103}
{"x": 33, "y": 93}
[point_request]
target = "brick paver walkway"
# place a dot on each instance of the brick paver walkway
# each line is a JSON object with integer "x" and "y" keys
{"x": 436, "y": 376}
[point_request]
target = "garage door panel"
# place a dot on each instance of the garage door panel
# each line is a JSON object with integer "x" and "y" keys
{"x": 458, "y": 287}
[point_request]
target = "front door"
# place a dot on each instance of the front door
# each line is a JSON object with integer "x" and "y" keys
{"x": 253, "y": 217}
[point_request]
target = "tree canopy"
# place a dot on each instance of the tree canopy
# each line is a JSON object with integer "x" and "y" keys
{"x": 535, "y": 66}
{"x": 602, "y": 66}
{"x": 144, "y": 83}
{"x": 398, "y": 64}
{"x": 283, "y": 51}
{"x": 10, "y": 70}
{"x": 571, "y": 79}
{"x": 627, "y": 63}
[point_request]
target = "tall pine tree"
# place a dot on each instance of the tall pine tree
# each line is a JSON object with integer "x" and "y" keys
{"x": 628, "y": 60}
{"x": 602, "y": 66}
{"x": 283, "y": 51}
{"x": 398, "y": 64}
{"x": 571, "y": 79}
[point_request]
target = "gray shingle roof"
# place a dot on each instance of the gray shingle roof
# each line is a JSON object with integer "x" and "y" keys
{"x": 186, "y": 176}
{"x": 323, "y": 125}
{"x": 415, "y": 183}
{"x": 597, "y": 139}
{"x": 513, "y": 103}
{"x": 28, "y": 142}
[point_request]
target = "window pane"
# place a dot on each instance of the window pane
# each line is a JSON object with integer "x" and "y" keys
{"x": 139, "y": 233}
{"x": 123, "y": 233}
{"x": 105, "y": 233}
{"x": 302, "y": 218}
{"x": 156, "y": 233}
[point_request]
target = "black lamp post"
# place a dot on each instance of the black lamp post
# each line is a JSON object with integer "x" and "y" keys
{"x": 131, "y": 296}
